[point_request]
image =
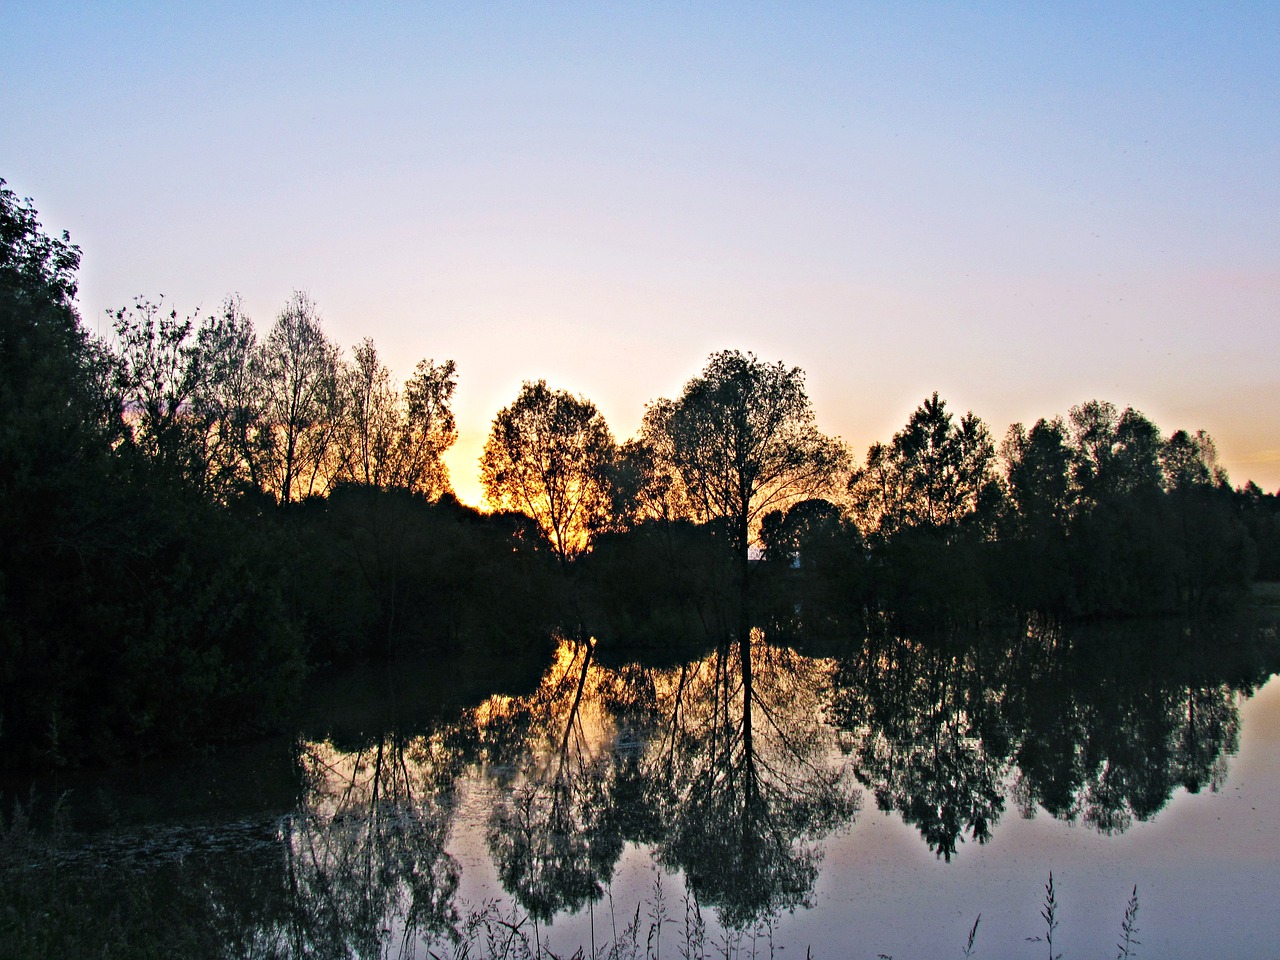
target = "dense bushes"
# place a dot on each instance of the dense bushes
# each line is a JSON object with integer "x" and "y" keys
{"x": 377, "y": 574}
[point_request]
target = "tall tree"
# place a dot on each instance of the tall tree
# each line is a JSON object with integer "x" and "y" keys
{"x": 741, "y": 440}
{"x": 936, "y": 474}
{"x": 52, "y": 407}
{"x": 369, "y": 438}
{"x": 55, "y": 455}
{"x": 158, "y": 369}
{"x": 230, "y": 401}
{"x": 396, "y": 439}
{"x": 1117, "y": 454}
{"x": 548, "y": 455}
{"x": 297, "y": 366}
{"x": 427, "y": 429}
{"x": 1190, "y": 461}
{"x": 111, "y": 569}
{"x": 1037, "y": 467}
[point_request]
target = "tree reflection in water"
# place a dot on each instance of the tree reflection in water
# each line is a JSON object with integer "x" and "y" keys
{"x": 365, "y": 852}
{"x": 927, "y": 735}
{"x": 730, "y": 769}
{"x": 748, "y": 782}
{"x": 551, "y": 835}
{"x": 725, "y": 771}
{"x": 1098, "y": 726}
{"x": 1113, "y": 721}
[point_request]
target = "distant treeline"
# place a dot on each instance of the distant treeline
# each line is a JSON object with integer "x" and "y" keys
{"x": 193, "y": 515}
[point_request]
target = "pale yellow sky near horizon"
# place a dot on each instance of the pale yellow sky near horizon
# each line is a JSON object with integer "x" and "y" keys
{"x": 1019, "y": 208}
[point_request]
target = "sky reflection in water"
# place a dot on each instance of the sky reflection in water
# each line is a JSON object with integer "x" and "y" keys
{"x": 871, "y": 801}
{"x": 745, "y": 787}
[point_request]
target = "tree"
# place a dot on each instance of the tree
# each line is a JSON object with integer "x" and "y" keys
{"x": 369, "y": 438}
{"x": 1038, "y": 474}
{"x": 157, "y": 369}
{"x": 1190, "y": 461}
{"x": 52, "y": 405}
{"x": 816, "y": 559}
{"x": 229, "y": 399}
{"x": 1040, "y": 503}
{"x": 55, "y": 457}
{"x": 390, "y": 439}
{"x": 936, "y": 474}
{"x": 134, "y": 614}
{"x": 548, "y": 455}
{"x": 741, "y": 441}
{"x": 298, "y": 370}
{"x": 427, "y": 429}
{"x": 1116, "y": 454}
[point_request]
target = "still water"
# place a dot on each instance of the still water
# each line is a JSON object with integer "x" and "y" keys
{"x": 750, "y": 799}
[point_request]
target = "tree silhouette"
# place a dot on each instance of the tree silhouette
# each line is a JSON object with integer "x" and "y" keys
{"x": 548, "y": 455}
{"x": 742, "y": 441}
{"x": 936, "y": 474}
{"x": 1116, "y": 454}
{"x": 297, "y": 367}
{"x": 157, "y": 371}
{"x": 229, "y": 401}
{"x": 396, "y": 440}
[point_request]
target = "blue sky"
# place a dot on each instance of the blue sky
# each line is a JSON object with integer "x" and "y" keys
{"x": 1021, "y": 206}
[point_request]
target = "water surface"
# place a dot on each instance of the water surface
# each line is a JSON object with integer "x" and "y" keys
{"x": 872, "y": 797}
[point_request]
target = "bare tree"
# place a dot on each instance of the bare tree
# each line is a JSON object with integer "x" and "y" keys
{"x": 372, "y": 420}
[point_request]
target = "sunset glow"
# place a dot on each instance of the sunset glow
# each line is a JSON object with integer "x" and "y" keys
{"x": 1021, "y": 211}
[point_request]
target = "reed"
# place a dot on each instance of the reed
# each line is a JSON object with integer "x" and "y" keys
{"x": 52, "y": 911}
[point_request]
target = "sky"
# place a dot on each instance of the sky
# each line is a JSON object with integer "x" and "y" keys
{"x": 1022, "y": 206}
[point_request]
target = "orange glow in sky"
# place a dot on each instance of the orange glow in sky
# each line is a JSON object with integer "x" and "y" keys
{"x": 1021, "y": 207}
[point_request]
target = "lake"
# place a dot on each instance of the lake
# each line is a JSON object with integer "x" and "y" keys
{"x": 845, "y": 799}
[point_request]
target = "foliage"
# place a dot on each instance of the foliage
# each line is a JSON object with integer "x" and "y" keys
{"x": 135, "y": 614}
{"x": 1094, "y": 515}
{"x": 660, "y": 584}
{"x": 548, "y": 454}
{"x": 1260, "y": 514}
{"x": 394, "y": 442}
{"x": 935, "y": 474}
{"x": 297, "y": 369}
{"x": 814, "y": 562}
{"x": 741, "y": 441}
{"x": 382, "y": 574}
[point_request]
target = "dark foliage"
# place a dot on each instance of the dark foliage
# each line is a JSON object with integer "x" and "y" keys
{"x": 662, "y": 584}
{"x": 134, "y": 616}
{"x": 377, "y": 574}
{"x": 169, "y": 569}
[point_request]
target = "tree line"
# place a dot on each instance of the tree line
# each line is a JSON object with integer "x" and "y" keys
{"x": 195, "y": 513}
{"x": 1093, "y": 514}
